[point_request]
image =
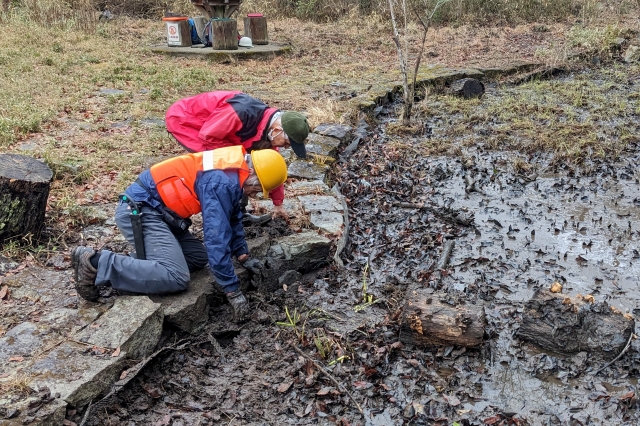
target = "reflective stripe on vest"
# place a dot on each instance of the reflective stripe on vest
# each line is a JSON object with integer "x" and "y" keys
{"x": 175, "y": 178}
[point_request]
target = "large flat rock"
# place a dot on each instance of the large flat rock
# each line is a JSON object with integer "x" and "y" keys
{"x": 189, "y": 310}
{"x": 312, "y": 203}
{"x": 133, "y": 324}
{"x": 342, "y": 132}
{"x": 304, "y": 169}
{"x": 302, "y": 252}
{"x": 327, "y": 221}
{"x": 67, "y": 353}
{"x": 322, "y": 145}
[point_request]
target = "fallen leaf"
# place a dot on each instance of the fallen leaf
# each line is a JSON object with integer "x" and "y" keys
{"x": 116, "y": 352}
{"x": 284, "y": 386}
{"x": 362, "y": 385}
{"x": 627, "y": 395}
{"x": 94, "y": 326}
{"x": 556, "y": 287}
{"x": 324, "y": 391}
{"x": 4, "y": 292}
{"x": 16, "y": 359}
{"x": 452, "y": 400}
{"x": 492, "y": 420}
{"x": 153, "y": 393}
{"x": 164, "y": 421}
{"x": 124, "y": 374}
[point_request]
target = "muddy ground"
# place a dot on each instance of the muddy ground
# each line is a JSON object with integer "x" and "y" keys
{"x": 539, "y": 218}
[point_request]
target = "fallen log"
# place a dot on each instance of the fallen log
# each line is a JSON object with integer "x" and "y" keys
{"x": 430, "y": 320}
{"x": 557, "y": 323}
{"x": 24, "y": 189}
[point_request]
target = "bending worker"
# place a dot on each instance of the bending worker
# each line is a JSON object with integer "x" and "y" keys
{"x": 153, "y": 215}
{"x": 225, "y": 118}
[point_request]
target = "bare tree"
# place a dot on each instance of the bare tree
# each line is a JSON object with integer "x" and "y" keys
{"x": 403, "y": 49}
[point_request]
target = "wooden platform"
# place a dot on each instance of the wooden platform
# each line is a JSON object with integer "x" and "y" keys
{"x": 266, "y": 51}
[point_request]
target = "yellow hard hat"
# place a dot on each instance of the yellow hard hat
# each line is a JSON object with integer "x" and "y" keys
{"x": 270, "y": 169}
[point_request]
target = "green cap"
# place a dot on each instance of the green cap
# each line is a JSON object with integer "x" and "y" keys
{"x": 296, "y": 127}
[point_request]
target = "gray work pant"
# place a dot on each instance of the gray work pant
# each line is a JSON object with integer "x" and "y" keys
{"x": 170, "y": 256}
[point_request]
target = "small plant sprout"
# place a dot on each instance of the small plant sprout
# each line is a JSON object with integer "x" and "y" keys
{"x": 367, "y": 299}
{"x": 292, "y": 322}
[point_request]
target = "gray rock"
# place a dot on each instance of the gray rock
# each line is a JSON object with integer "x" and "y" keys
{"x": 304, "y": 187}
{"x": 7, "y": 264}
{"x": 342, "y": 132}
{"x": 134, "y": 323}
{"x": 329, "y": 222}
{"x": 303, "y": 252}
{"x": 291, "y": 206}
{"x": 79, "y": 376}
{"x": 632, "y": 54}
{"x": 289, "y": 277}
{"x": 303, "y": 169}
{"x": 112, "y": 92}
{"x": 189, "y": 310}
{"x": 152, "y": 122}
{"x": 258, "y": 247}
{"x": 322, "y": 145}
{"x": 312, "y": 203}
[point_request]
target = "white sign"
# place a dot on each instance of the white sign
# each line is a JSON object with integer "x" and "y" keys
{"x": 173, "y": 33}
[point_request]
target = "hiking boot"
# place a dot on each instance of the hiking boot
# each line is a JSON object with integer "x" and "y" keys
{"x": 250, "y": 219}
{"x": 84, "y": 273}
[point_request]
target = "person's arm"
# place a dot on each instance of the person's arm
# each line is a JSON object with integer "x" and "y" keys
{"x": 219, "y": 201}
{"x": 220, "y": 128}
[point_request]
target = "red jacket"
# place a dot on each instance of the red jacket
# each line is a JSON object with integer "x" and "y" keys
{"x": 218, "y": 119}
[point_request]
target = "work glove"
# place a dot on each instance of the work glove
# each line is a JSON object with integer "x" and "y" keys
{"x": 256, "y": 269}
{"x": 239, "y": 305}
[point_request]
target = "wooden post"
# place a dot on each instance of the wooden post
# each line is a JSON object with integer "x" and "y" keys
{"x": 225, "y": 34}
{"x": 256, "y": 29}
{"x": 429, "y": 321}
{"x": 24, "y": 189}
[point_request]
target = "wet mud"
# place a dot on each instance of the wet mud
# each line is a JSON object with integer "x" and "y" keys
{"x": 513, "y": 230}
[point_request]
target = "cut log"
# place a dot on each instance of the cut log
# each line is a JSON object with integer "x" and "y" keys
{"x": 225, "y": 34}
{"x": 430, "y": 321}
{"x": 24, "y": 189}
{"x": 255, "y": 27}
{"x": 467, "y": 88}
{"x": 566, "y": 325}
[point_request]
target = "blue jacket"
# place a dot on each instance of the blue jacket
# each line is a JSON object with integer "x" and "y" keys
{"x": 220, "y": 194}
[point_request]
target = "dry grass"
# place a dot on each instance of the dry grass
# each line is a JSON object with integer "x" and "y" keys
{"x": 17, "y": 386}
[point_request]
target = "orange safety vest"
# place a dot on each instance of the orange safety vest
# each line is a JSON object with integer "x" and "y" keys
{"x": 175, "y": 178}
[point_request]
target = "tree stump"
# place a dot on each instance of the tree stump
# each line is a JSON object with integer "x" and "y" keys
{"x": 430, "y": 321}
{"x": 24, "y": 189}
{"x": 467, "y": 88}
{"x": 255, "y": 27}
{"x": 563, "y": 325}
{"x": 225, "y": 34}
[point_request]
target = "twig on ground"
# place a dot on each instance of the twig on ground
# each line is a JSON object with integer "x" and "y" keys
{"x": 447, "y": 248}
{"x": 328, "y": 375}
{"x": 626, "y": 348}
{"x": 345, "y": 232}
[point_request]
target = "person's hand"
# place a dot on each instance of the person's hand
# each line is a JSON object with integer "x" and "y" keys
{"x": 239, "y": 305}
{"x": 279, "y": 211}
{"x": 256, "y": 268}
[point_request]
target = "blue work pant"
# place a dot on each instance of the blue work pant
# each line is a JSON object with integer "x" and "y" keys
{"x": 169, "y": 256}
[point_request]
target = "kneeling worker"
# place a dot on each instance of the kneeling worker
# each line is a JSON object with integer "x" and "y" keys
{"x": 153, "y": 215}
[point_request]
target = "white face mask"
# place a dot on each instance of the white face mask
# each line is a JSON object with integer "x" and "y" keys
{"x": 271, "y": 136}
